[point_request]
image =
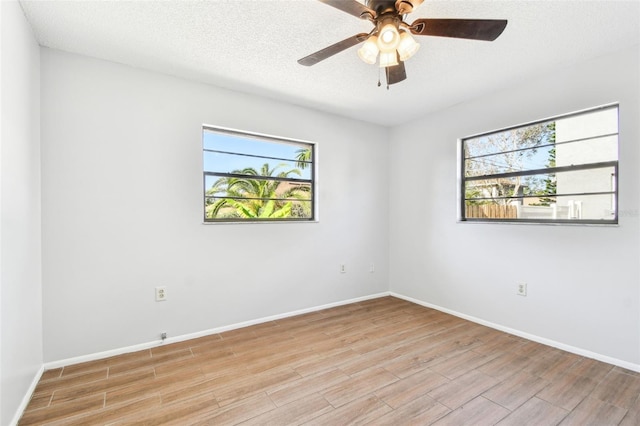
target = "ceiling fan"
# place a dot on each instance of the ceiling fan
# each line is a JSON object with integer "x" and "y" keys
{"x": 391, "y": 36}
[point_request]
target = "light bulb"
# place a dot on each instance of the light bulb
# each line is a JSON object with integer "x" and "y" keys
{"x": 388, "y": 36}
{"x": 407, "y": 46}
{"x": 388, "y": 59}
{"x": 369, "y": 50}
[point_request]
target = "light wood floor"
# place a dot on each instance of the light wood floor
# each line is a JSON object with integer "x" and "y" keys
{"x": 383, "y": 361}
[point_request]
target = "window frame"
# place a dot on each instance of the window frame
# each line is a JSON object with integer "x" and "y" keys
{"x": 462, "y": 179}
{"x": 262, "y": 138}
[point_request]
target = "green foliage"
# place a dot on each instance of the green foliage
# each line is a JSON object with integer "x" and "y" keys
{"x": 303, "y": 156}
{"x": 472, "y": 192}
{"x": 500, "y": 153}
{"x": 550, "y": 183}
{"x": 250, "y": 197}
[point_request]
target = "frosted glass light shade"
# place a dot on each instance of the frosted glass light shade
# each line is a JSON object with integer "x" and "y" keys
{"x": 388, "y": 59}
{"x": 388, "y": 38}
{"x": 407, "y": 46}
{"x": 369, "y": 50}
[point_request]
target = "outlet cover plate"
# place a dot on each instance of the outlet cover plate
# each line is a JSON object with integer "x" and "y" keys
{"x": 521, "y": 289}
{"x": 161, "y": 294}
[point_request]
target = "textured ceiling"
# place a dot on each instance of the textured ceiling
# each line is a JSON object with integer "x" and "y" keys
{"x": 252, "y": 46}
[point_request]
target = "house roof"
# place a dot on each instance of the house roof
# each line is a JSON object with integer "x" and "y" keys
{"x": 252, "y": 46}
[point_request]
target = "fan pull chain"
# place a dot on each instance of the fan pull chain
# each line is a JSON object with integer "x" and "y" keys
{"x": 379, "y": 82}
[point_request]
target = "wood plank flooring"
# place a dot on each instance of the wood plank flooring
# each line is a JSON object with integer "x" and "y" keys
{"x": 381, "y": 362}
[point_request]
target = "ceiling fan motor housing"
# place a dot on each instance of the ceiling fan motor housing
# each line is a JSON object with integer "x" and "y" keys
{"x": 382, "y": 6}
{"x": 406, "y": 6}
{"x": 402, "y": 7}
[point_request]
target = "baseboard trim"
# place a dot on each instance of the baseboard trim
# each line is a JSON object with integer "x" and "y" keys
{"x": 183, "y": 337}
{"x": 148, "y": 345}
{"x": 528, "y": 336}
{"x": 27, "y": 397}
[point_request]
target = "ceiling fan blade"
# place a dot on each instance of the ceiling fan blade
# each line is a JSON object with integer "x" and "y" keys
{"x": 323, "y": 54}
{"x": 396, "y": 73}
{"x": 475, "y": 29}
{"x": 352, "y": 7}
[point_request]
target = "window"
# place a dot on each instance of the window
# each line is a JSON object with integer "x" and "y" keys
{"x": 258, "y": 178}
{"x": 562, "y": 170}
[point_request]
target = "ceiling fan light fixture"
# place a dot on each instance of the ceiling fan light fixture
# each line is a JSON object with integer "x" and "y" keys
{"x": 391, "y": 38}
{"x": 369, "y": 50}
{"x": 407, "y": 47}
{"x": 388, "y": 35}
{"x": 388, "y": 59}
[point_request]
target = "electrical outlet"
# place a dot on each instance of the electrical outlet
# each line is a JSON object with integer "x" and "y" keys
{"x": 372, "y": 267}
{"x": 161, "y": 294}
{"x": 343, "y": 268}
{"x": 163, "y": 335}
{"x": 521, "y": 289}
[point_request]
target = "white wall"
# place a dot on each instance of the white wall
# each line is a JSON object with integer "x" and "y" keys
{"x": 20, "y": 273}
{"x": 583, "y": 282}
{"x": 122, "y": 203}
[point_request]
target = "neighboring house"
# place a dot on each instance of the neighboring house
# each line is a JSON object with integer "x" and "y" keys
{"x": 599, "y": 149}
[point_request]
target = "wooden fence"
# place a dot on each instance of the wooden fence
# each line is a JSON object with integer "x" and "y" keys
{"x": 491, "y": 211}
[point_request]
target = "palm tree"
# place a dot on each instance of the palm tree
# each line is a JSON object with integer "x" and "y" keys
{"x": 253, "y": 198}
{"x": 303, "y": 158}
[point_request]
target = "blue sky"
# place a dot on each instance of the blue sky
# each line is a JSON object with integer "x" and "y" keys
{"x": 245, "y": 145}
